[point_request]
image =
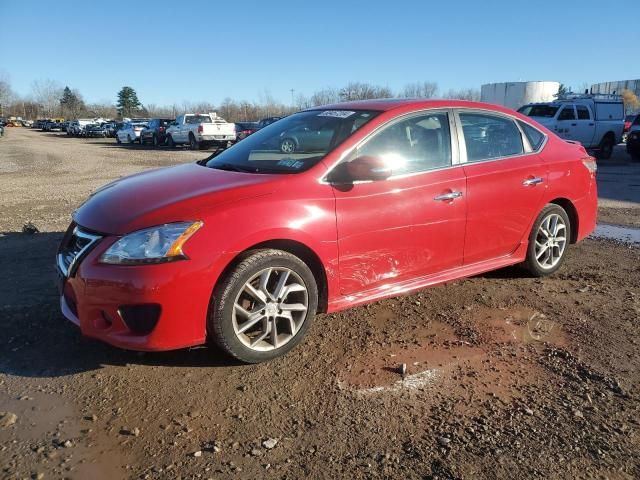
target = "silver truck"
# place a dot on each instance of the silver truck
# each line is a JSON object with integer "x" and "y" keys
{"x": 594, "y": 120}
{"x": 200, "y": 130}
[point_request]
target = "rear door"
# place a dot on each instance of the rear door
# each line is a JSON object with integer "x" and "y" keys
{"x": 585, "y": 125}
{"x": 505, "y": 182}
{"x": 411, "y": 224}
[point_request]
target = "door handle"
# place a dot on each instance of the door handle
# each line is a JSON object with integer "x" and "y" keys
{"x": 448, "y": 196}
{"x": 532, "y": 182}
{"x": 574, "y": 124}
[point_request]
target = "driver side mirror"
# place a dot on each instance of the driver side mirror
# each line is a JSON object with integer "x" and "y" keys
{"x": 364, "y": 168}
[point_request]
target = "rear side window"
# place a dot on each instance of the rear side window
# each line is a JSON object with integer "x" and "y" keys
{"x": 534, "y": 136}
{"x": 487, "y": 137}
{"x": 583, "y": 112}
{"x": 567, "y": 113}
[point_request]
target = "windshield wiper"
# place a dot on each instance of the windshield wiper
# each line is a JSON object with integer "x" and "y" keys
{"x": 234, "y": 168}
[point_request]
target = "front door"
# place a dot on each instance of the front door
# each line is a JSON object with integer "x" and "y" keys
{"x": 585, "y": 128}
{"x": 504, "y": 185}
{"x": 411, "y": 224}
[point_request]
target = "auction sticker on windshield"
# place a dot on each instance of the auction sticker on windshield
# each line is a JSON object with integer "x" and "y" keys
{"x": 336, "y": 113}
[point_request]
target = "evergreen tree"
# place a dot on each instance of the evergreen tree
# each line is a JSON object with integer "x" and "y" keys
{"x": 71, "y": 103}
{"x": 128, "y": 102}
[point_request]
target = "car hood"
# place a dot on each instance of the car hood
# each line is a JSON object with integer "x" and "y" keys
{"x": 165, "y": 195}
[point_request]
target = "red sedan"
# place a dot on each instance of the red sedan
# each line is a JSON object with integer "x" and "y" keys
{"x": 368, "y": 200}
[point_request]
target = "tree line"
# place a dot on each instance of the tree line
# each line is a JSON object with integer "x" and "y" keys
{"x": 49, "y": 99}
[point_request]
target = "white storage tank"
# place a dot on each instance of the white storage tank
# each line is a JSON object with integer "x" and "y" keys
{"x": 516, "y": 94}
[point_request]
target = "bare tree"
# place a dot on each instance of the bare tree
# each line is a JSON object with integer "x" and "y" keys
{"x": 6, "y": 93}
{"x": 325, "y": 96}
{"x": 47, "y": 93}
{"x": 363, "y": 91}
{"x": 419, "y": 90}
{"x": 472, "y": 94}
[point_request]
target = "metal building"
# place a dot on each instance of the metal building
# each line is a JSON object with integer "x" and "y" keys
{"x": 516, "y": 94}
{"x": 617, "y": 87}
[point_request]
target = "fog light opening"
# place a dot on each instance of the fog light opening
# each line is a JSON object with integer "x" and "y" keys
{"x": 140, "y": 319}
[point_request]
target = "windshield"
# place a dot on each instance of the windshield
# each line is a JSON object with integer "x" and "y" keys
{"x": 547, "y": 111}
{"x": 293, "y": 144}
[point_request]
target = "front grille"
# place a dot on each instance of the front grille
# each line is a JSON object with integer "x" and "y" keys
{"x": 74, "y": 247}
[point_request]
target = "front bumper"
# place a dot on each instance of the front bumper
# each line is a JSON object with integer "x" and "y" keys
{"x": 96, "y": 295}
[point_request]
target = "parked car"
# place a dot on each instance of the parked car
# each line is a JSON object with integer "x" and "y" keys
{"x": 200, "y": 130}
{"x": 110, "y": 129}
{"x": 628, "y": 121}
{"x": 77, "y": 127}
{"x": 95, "y": 130}
{"x": 596, "y": 121}
{"x": 155, "y": 132}
{"x": 267, "y": 121}
{"x": 244, "y": 129}
{"x": 130, "y": 132}
{"x": 245, "y": 247}
{"x": 633, "y": 139}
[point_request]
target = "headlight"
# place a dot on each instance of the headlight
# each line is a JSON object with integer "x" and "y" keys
{"x": 151, "y": 245}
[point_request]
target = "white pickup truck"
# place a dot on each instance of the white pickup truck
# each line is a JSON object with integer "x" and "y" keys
{"x": 200, "y": 130}
{"x": 596, "y": 121}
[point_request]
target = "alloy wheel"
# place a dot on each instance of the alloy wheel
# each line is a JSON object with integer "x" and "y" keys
{"x": 270, "y": 309}
{"x": 287, "y": 146}
{"x": 551, "y": 241}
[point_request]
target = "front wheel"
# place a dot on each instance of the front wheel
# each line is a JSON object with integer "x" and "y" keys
{"x": 548, "y": 241}
{"x": 264, "y": 306}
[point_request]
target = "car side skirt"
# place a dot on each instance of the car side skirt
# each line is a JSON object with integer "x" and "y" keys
{"x": 409, "y": 286}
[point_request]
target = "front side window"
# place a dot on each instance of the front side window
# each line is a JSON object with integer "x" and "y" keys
{"x": 487, "y": 136}
{"x": 293, "y": 144}
{"x": 417, "y": 144}
{"x": 583, "y": 112}
{"x": 567, "y": 113}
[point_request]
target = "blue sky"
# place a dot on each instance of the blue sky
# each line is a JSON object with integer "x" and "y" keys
{"x": 195, "y": 50}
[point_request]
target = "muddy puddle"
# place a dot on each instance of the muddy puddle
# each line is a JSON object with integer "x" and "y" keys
{"x": 619, "y": 233}
{"x": 436, "y": 357}
{"x": 60, "y": 438}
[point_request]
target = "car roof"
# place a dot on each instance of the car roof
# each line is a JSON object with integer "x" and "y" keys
{"x": 389, "y": 104}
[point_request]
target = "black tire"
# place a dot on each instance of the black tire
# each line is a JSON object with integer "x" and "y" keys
{"x": 170, "y": 142}
{"x": 606, "y": 148}
{"x": 531, "y": 263}
{"x": 220, "y": 324}
{"x": 154, "y": 140}
{"x": 193, "y": 143}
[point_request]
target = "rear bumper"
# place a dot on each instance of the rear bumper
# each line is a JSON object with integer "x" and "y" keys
{"x": 216, "y": 138}
{"x": 587, "y": 210}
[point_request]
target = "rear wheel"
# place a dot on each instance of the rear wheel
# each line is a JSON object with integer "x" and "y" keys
{"x": 193, "y": 143}
{"x": 606, "y": 148}
{"x": 548, "y": 241}
{"x": 287, "y": 146}
{"x": 264, "y": 306}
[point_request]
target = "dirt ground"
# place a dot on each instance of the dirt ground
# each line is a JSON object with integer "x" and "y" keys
{"x": 507, "y": 376}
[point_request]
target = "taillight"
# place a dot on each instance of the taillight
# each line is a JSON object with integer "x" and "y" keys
{"x": 200, "y": 129}
{"x": 161, "y": 129}
{"x": 590, "y": 163}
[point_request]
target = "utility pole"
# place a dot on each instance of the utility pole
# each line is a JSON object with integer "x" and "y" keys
{"x": 292, "y": 92}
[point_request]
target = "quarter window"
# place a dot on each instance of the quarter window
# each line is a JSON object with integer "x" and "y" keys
{"x": 535, "y": 136}
{"x": 417, "y": 144}
{"x": 583, "y": 112}
{"x": 488, "y": 137}
{"x": 567, "y": 113}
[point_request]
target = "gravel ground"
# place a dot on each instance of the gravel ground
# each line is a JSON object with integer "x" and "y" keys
{"x": 507, "y": 376}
